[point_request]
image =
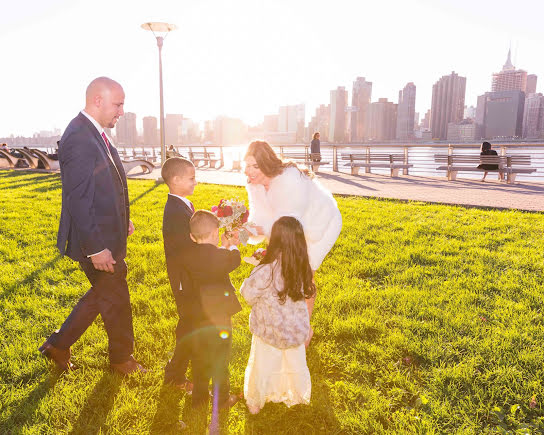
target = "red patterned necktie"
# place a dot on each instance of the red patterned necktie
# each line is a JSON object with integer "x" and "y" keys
{"x": 192, "y": 207}
{"x": 107, "y": 142}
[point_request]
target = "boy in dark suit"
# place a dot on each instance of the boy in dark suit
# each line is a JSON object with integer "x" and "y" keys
{"x": 179, "y": 176}
{"x": 215, "y": 302}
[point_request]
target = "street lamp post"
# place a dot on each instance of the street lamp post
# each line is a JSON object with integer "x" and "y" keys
{"x": 160, "y": 31}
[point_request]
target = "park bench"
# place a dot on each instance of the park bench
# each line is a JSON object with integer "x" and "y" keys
{"x": 509, "y": 165}
{"x": 204, "y": 156}
{"x": 30, "y": 157}
{"x": 45, "y": 161}
{"x": 310, "y": 160}
{"x": 9, "y": 161}
{"x": 128, "y": 165}
{"x": 368, "y": 160}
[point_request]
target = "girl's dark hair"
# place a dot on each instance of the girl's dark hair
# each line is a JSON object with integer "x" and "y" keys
{"x": 288, "y": 244}
{"x": 267, "y": 160}
{"x": 486, "y": 146}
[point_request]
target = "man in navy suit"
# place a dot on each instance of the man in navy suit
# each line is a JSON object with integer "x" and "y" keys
{"x": 94, "y": 226}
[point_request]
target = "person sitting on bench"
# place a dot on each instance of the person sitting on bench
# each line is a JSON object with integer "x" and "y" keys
{"x": 486, "y": 150}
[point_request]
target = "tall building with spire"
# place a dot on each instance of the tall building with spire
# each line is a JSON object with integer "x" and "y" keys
{"x": 448, "y": 103}
{"x": 510, "y": 78}
{"x": 360, "y": 101}
{"x": 406, "y": 112}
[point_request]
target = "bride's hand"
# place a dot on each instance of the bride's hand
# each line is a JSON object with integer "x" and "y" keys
{"x": 257, "y": 228}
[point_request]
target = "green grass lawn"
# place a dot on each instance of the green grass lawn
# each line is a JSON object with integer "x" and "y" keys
{"x": 428, "y": 320}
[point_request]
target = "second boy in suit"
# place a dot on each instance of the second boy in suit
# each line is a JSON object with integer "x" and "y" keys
{"x": 214, "y": 304}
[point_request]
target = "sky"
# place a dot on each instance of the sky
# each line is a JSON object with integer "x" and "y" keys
{"x": 245, "y": 58}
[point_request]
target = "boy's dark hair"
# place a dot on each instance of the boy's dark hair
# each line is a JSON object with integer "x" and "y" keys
{"x": 174, "y": 166}
{"x": 202, "y": 224}
{"x": 287, "y": 242}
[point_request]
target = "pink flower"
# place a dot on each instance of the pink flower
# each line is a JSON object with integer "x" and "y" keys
{"x": 245, "y": 216}
{"x": 214, "y": 208}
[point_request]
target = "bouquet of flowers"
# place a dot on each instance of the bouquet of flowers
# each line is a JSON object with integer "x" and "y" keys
{"x": 257, "y": 257}
{"x": 233, "y": 215}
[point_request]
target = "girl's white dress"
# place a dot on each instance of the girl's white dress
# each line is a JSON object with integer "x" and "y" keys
{"x": 277, "y": 369}
{"x": 276, "y": 375}
{"x": 294, "y": 194}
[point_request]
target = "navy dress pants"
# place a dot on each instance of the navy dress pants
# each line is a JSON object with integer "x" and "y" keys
{"x": 109, "y": 297}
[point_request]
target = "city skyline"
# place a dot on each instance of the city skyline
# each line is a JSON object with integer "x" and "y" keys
{"x": 245, "y": 60}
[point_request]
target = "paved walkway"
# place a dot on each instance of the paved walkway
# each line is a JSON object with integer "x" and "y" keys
{"x": 521, "y": 196}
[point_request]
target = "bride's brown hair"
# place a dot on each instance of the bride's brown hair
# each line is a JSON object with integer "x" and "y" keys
{"x": 288, "y": 244}
{"x": 267, "y": 160}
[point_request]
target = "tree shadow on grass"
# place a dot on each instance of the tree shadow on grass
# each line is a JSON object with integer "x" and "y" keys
{"x": 48, "y": 188}
{"x": 26, "y": 408}
{"x": 316, "y": 418}
{"x": 30, "y": 277}
{"x": 26, "y": 181}
{"x": 141, "y": 195}
{"x": 98, "y": 405}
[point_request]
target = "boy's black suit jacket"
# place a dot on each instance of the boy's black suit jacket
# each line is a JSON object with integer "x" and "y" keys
{"x": 214, "y": 300}
{"x": 177, "y": 239}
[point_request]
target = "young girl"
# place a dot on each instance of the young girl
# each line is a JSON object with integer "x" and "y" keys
{"x": 276, "y": 290}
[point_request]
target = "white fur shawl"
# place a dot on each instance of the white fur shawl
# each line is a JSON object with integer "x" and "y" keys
{"x": 294, "y": 194}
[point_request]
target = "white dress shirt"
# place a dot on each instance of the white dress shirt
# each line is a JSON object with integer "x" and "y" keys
{"x": 98, "y": 127}
{"x": 185, "y": 200}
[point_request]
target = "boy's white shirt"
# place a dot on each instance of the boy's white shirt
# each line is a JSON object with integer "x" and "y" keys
{"x": 185, "y": 200}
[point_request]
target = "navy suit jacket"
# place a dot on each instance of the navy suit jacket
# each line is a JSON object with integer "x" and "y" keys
{"x": 213, "y": 300}
{"x": 95, "y": 205}
{"x": 176, "y": 237}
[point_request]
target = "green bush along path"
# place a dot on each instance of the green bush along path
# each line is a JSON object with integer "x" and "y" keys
{"x": 428, "y": 320}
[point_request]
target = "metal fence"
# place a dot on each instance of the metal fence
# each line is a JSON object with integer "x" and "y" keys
{"x": 421, "y": 156}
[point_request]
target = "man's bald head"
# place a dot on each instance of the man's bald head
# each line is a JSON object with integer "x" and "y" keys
{"x": 104, "y": 100}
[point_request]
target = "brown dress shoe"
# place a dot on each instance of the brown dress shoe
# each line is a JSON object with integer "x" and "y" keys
{"x": 232, "y": 400}
{"x": 60, "y": 356}
{"x": 128, "y": 367}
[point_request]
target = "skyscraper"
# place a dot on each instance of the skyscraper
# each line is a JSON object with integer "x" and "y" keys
{"x": 230, "y": 131}
{"x": 338, "y": 115}
{"x": 531, "y": 84}
{"x": 533, "y": 116}
{"x": 151, "y": 134}
{"x": 125, "y": 129}
{"x": 360, "y": 101}
{"x": 383, "y": 120}
{"x": 504, "y": 114}
{"x": 270, "y": 123}
{"x": 291, "y": 120}
{"x": 510, "y": 78}
{"x": 406, "y": 112}
{"x": 448, "y": 103}
{"x": 320, "y": 122}
{"x": 172, "y": 129}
